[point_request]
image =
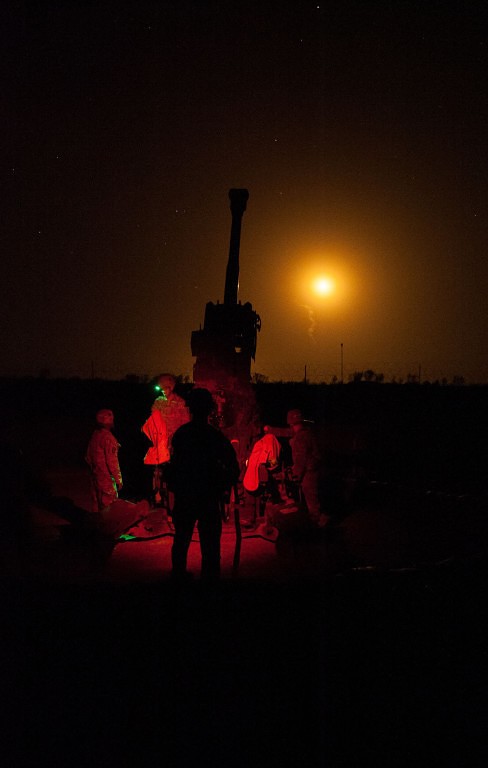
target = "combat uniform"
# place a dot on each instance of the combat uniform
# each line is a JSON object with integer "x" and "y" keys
{"x": 266, "y": 451}
{"x": 306, "y": 462}
{"x": 167, "y": 415}
{"x": 305, "y": 469}
{"x": 174, "y": 413}
{"x": 102, "y": 458}
{"x": 156, "y": 431}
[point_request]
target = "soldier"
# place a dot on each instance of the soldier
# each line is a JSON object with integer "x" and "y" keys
{"x": 306, "y": 459}
{"x": 259, "y": 480}
{"x": 171, "y": 406}
{"x": 102, "y": 458}
{"x": 168, "y": 412}
{"x": 306, "y": 465}
{"x": 203, "y": 467}
{"x": 158, "y": 454}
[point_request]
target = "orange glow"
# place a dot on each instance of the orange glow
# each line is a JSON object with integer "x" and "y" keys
{"x": 323, "y": 286}
{"x": 327, "y": 283}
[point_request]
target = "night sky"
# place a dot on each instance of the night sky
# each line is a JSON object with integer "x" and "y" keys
{"x": 359, "y": 129}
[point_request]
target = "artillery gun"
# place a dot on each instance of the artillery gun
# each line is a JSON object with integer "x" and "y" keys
{"x": 226, "y": 344}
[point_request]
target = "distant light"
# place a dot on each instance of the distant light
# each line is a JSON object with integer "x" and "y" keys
{"x": 324, "y": 286}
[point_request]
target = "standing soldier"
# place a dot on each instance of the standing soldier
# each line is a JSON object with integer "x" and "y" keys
{"x": 158, "y": 453}
{"x": 168, "y": 412}
{"x": 103, "y": 460}
{"x": 306, "y": 465}
{"x": 171, "y": 406}
{"x": 203, "y": 468}
{"x": 306, "y": 461}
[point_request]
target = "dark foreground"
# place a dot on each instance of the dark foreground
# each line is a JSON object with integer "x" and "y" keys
{"x": 367, "y": 668}
{"x": 296, "y": 659}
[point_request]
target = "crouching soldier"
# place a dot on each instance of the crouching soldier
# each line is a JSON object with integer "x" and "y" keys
{"x": 103, "y": 460}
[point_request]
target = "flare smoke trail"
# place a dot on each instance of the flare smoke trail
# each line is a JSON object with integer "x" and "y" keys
{"x": 312, "y": 321}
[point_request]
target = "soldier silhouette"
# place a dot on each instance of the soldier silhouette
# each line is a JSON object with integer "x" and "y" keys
{"x": 202, "y": 469}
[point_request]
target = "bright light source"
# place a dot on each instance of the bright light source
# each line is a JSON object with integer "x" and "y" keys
{"x": 324, "y": 286}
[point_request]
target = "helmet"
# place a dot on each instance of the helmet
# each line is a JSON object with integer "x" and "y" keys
{"x": 105, "y": 417}
{"x": 294, "y": 417}
{"x": 167, "y": 380}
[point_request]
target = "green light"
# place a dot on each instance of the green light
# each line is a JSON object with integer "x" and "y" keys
{"x": 127, "y": 537}
{"x": 161, "y": 391}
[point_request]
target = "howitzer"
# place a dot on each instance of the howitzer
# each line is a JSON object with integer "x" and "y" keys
{"x": 226, "y": 344}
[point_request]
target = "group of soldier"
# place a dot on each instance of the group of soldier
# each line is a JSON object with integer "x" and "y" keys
{"x": 197, "y": 464}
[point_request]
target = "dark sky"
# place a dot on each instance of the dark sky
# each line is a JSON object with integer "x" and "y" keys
{"x": 359, "y": 130}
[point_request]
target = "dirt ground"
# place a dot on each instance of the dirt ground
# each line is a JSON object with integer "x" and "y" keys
{"x": 386, "y": 530}
{"x": 364, "y": 645}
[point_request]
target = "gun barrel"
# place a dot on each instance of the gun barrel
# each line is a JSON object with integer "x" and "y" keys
{"x": 238, "y": 201}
